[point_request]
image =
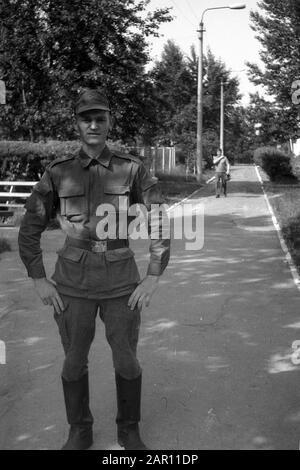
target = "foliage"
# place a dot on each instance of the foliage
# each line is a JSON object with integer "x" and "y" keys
{"x": 278, "y": 29}
{"x": 274, "y": 128}
{"x": 285, "y": 201}
{"x": 291, "y": 233}
{"x": 175, "y": 82}
{"x": 245, "y": 157}
{"x": 275, "y": 163}
{"x": 25, "y": 161}
{"x": 172, "y": 84}
{"x": 51, "y": 49}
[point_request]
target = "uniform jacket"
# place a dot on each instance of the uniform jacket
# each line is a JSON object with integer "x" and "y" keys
{"x": 72, "y": 189}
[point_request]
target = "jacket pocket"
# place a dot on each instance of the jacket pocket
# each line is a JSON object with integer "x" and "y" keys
{"x": 117, "y": 196}
{"x": 70, "y": 268}
{"x": 121, "y": 267}
{"x": 72, "y": 200}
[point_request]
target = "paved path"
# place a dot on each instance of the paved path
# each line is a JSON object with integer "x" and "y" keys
{"x": 215, "y": 343}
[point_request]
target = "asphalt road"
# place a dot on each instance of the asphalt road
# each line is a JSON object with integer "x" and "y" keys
{"x": 215, "y": 343}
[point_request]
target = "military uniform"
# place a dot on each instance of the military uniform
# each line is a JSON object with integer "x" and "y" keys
{"x": 91, "y": 274}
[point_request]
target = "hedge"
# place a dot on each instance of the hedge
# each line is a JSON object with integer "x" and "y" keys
{"x": 275, "y": 163}
{"x": 26, "y": 161}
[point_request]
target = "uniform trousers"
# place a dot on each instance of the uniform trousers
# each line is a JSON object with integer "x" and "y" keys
{"x": 77, "y": 325}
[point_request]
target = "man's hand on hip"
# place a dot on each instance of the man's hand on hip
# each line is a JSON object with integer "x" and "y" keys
{"x": 48, "y": 293}
{"x": 143, "y": 293}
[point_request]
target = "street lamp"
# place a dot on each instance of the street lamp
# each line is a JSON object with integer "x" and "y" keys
{"x": 222, "y": 118}
{"x": 238, "y": 6}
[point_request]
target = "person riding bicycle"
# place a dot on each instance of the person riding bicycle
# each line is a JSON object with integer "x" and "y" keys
{"x": 222, "y": 168}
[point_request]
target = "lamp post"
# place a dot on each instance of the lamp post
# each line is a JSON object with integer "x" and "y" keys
{"x": 222, "y": 118}
{"x": 200, "y": 87}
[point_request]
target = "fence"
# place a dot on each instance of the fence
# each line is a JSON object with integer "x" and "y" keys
{"x": 10, "y": 197}
{"x": 13, "y": 195}
{"x": 158, "y": 159}
{"x": 295, "y": 146}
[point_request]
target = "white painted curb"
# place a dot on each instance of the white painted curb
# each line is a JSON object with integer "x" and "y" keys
{"x": 284, "y": 247}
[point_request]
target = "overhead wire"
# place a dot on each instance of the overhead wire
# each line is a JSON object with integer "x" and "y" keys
{"x": 192, "y": 9}
{"x": 182, "y": 13}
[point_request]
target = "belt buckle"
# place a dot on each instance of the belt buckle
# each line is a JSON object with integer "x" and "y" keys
{"x": 99, "y": 246}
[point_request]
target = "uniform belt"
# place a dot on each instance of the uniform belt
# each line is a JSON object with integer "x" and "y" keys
{"x": 97, "y": 246}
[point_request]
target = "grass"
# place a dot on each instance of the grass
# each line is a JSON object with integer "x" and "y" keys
{"x": 284, "y": 197}
{"x": 177, "y": 185}
{"x": 4, "y": 245}
{"x": 174, "y": 191}
{"x": 176, "y": 176}
{"x": 285, "y": 202}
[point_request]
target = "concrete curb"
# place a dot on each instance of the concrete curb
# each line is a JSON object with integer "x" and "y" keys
{"x": 283, "y": 244}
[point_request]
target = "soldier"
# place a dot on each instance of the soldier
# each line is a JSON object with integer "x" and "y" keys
{"x": 93, "y": 273}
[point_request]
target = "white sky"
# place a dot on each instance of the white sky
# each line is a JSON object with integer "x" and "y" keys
{"x": 228, "y": 33}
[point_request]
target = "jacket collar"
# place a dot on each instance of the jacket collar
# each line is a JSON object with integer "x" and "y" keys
{"x": 104, "y": 158}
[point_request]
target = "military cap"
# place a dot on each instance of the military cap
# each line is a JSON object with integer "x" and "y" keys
{"x": 90, "y": 99}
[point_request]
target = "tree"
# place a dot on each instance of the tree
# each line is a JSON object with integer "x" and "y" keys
{"x": 278, "y": 30}
{"x": 172, "y": 88}
{"x": 54, "y": 48}
{"x": 267, "y": 115}
{"x": 215, "y": 73}
{"x": 175, "y": 83}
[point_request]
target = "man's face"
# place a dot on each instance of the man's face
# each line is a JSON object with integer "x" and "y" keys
{"x": 219, "y": 153}
{"x": 93, "y": 127}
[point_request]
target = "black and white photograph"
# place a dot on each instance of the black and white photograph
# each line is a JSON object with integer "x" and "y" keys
{"x": 149, "y": 227}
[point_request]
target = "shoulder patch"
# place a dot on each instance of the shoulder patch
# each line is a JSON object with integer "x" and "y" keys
{"x": 60, "y": 160}
{"x": 126, "y": 156}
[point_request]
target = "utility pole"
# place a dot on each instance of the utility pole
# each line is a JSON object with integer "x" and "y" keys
{"x": 200, "y": 105}
{"x": 2, "y": 58}
{"x": 222, "y": 118}
{"x": 199, "y": 155}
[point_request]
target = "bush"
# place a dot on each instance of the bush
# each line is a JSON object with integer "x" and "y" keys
{"x": 4, "y": 245}
{"x": 245, "y": 157}
{"x": 275, "y": 163}
{"x": 26, "y": 161}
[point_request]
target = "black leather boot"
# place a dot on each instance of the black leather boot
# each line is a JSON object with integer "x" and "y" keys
{"x": 128, "y": 417}
{"x": 78, "y": 414}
